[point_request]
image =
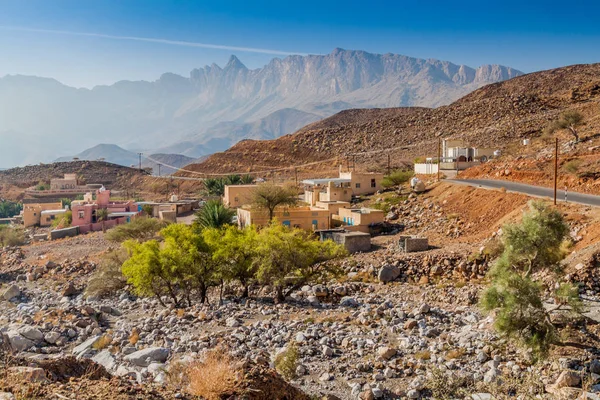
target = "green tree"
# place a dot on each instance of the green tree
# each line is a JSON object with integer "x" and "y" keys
{"x": 397, "y": 178}
{"x": 246, "y": 179}
{"x": 9, "y": 209}
{"x": 175, "y": 268}
{"x": 284, "y": 254}
{"x": 234, "y": 251}
{"x": 214, "y": 186}
{"x": 570, "y": 120}
{"x": 536, "y": 244}
{"x": 63, "y": 221}
{"x": 268, "y": 196}
{"x": 148, "y": 210}
{"x": 213, "y": 215}
{"x": 234, "y": 179}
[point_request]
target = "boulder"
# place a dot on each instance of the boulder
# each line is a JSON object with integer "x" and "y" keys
{"x": 84, "y": 347}
{"x": 386, "y": 352}
{"x": 11, "y": 292}
{"x": 69, "y": 290}
{"x": 388, "y": 273}
{"x": 145, "y": 357}
{"x": 31, "y": 333}
{"x": 348, "y": 301}
{"x": 52, "y": 337}
{"x": 18, "y": 342}
{"x": 106, "y": 359}
{"x": 567, "y": 378}
{"x": 7, "y": 396}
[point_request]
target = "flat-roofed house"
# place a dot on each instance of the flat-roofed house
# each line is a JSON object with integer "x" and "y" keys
{"x": 307, "y": 218}
{"x": 32, "y": 209}
{"x": 238, "y": 195}
{"x": 359, "y": 219}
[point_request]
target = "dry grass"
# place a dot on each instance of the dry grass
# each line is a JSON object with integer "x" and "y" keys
{"x": 454, "y": 354}
{"x": 214, "y": 377}
{"x": 134, "y": 337}
{"x": 102, "y": 343}
{"x": 423, "y": 355}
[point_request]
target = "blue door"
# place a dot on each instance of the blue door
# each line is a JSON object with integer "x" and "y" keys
{"x": 286, "y": 223}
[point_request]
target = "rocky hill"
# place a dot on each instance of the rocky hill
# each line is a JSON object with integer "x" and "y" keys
{"x": 188, "y": 110}
{"x": 493, "y": 116}
{"x": 88, "y": 171}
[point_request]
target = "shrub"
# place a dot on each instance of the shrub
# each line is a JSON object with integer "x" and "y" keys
{"x": 63, "y": 221}
{"x": 214, "y": 378}
{"x": 140, "y": 229}
{"x": 535, "y": 244}
{"x": 397, "y": 178}
{"x": 287, "y": 361}
{"x": 9, "y": 209}
{"x": 572, "y": 166}
{"x": 107, "y": 278}
{"x": 102, "y": 343}
{"x": 10, "y": 236}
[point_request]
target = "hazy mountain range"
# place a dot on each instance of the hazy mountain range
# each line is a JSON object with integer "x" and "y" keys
{"x": 117, "y": 155}
{"x": 42, "y": 119}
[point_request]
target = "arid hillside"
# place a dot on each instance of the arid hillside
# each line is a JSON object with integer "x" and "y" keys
{"x": 493, "y": 116}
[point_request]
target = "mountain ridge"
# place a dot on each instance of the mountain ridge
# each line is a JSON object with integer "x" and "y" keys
{"x": 174, "y": 108}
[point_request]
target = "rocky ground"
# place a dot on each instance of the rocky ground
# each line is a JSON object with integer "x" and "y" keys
{"x": 386, "y": 325}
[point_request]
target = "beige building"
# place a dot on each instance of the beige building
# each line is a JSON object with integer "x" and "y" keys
{"x": 308, "y": 218}
{"x": 69, "y": 181}
{"x": 48, "y": 216}
{"x": 238, "y": 195}
{"x": 359, "y": 219}
{"x": 348, "y": 184}
{"x": 32, "y": 210}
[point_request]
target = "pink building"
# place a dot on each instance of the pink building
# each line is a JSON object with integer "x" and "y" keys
{"x": 85, "y": 211}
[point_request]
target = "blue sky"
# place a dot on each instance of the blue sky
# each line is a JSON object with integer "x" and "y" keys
{"x": 527, "y": 35}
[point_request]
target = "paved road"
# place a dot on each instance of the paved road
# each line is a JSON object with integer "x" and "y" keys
{"x": 531, "y": 190}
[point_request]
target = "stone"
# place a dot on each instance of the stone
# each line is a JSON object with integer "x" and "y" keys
{"x": 144, "y": 357}
{"x": 326, "y": 377}
{"x": 482, "y": 396}
{"x": 595, "y": 367}
{"x": 386, "y": 352}
{"x": 567, "y": 378}
{"x": 30, "y": 374}
{"x": 491, "y": 375}
{"x": 348, "y": 302}
{"x": 7, "y": 396}
{"x": 377, "y": 393}
{"x": 106, "y": 359}
{"x": 327, "y": 351}
{"x": 69, "y": 290}
{"x": 388, "y": 273}
{"x": 413, "y": 394}
{"x": 52, "y": 337}
{"x": 232, "y": 322}
{"x": 31, "y": 333}
{"x": 86, "y": 346}
{"x": 320, "y": 291}
{"x": 18, "y": 342}
{"x": 424, "y": 308}
{"x": 11, "y": 292}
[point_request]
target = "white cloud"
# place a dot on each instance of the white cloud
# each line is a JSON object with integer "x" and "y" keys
{"x": 154, "y": 40}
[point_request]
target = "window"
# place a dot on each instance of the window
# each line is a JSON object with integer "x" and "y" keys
{"x": 236, "y": 199}
{"x": 358, "y": 185}
{"x": 286, "y": 223}
{"x": 373, "y": 184}
{"x": 81, "y": 214}
{"x": 52, "y": 217}
{"x": 34, "y": 214}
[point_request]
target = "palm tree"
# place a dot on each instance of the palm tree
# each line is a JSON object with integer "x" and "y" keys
{"x": 246, "y": 179}
{"x": 233, "y": 180}
{"x": 214, "y": 187}
{"x": 102, "y": 215}
{"x": 213, "y": 215}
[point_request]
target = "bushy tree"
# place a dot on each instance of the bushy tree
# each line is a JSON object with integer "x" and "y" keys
{"x": 10, "y": 236}
{"x": 531, "y": 246}
{"x": 174, "y": 268}
{"x": 63, "y": 221}
{"x": 269, "y": 196}
{"x": 213, "y": 215}
{"x": 570, "y": 120}
{"x": 396, "y": 178}
{"x": 140, "y": 229}
{"x": 284, "y": 254}
{"x": 234, "y": 251}
{"x": 9, "y": 209}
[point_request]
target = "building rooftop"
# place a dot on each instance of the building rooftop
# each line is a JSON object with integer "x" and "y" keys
{"x": 54, "y": 211}
{"x": 123, "y": 214}
{"x": 325, "y": 181}
{"x": 41, "y": 201}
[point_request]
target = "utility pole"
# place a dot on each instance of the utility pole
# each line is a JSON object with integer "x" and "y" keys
{"x": 296, "y": 174}
{"x": 555, "y": 168}
{"x": 140, "y": 154}
{"x": 158, "y": 169}
{"x": 439, "y": 158}
{"x": 389, "y": 168}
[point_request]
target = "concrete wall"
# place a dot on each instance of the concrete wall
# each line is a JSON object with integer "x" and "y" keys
{"x": 237, "y": 195}
{"x": 410, "y": 244}
{"x": 426, "y": 169}
{"x": 353, "y": 241}
{"x": 170, "y": 216}
{"x": 63, "y": 233}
